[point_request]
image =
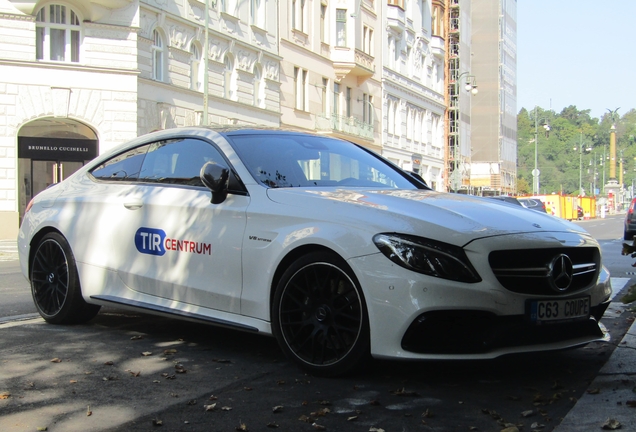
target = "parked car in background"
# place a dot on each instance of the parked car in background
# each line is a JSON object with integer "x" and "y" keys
{"x": 630, "y": 222}
{"x": 533, "y": 204}
{"x": 506, "y": 198}
{"x": 330, "y": 248}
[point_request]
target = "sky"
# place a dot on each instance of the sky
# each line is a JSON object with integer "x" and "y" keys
{"x": 576, "y": 52}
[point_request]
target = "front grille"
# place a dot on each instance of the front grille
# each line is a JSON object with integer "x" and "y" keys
{"x": 528, "y": 271}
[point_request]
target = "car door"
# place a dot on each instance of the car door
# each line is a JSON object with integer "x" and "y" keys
{"x": 185, "y": 249}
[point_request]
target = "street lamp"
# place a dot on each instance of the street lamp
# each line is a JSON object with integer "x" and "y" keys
{"x": 581, "y": 162}
{"x": 469, "y": 86}
{"x": 535, "y": 171}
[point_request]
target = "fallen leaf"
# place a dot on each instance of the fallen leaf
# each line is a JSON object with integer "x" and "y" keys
{"x": 170, "y": 351}
{"x": 222, "y": 360}
{"x": 631, "y": 403}
{"x": 135, "y": 374}
{"x": 320, "y": 413}
{"x": 352, "y": 418}
{"x": 136, "y": 337}
{"x": 272, "y": 425}
{"x": 537, "y": 425}
{"x": 242, "y": 427}
{"x": 179, "y": 368}
{"x": 56, "y": 360}
{"x": 226, "y": 408}
{"x": 73, "y": 381}
{"x": 528, "y": 413}
{"x": 280, "y": 382}
{"x": 324, "y": 402}
{"x": 210, "y": 407}
{"x": 374, "y": 429}
{"x": 42, "y": 428}
{"x": 427, "y": 414}
{"x": 611, "y": 424}
{"x": 88, "y": 411}
{"x": 305, "y": 419}
{"x": 593, "y": 391}
{"x": 5, "y": 395}
{"x": 146, "y": 353}
{"x": 157, "y": 422}
{"x": 212, "y": 397}
{"x": 277, "y": 408}
{"x": 318, "y": 427}
{"x": 109, "y": 363}
{"x": 247, "y": 388}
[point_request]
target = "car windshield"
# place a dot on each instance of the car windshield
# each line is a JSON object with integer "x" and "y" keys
{"x": 289, "y": 160}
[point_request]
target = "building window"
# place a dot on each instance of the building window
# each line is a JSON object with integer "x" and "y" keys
{"x": 341, "y": 27}
{"x": 257, "y": 11}
{"x": 259, "y": 88}
{"x": 228, "y": 6}
{"x": 298, "y": 15}
{"x": 196, "y": 81}
{"x": 325, "y": 105}
{"x": 348, "y": 102}
{"x": 157, "y": 56}
{"x": 229, "y": 80}
{"x": 300, "y": 88}
{"x": 398, "y": 3}
{"x": 57, "y": 34}
{"x": 367, "y": 40}
{"x": 367, "y": 109}
{"x": 336, "y": 99}
{"x": 323, "y": 15}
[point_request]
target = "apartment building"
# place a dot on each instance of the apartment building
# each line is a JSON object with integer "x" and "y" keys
{"x": 413, "y": 90}
{"x": 494, "y": 110}
{"x": 78, "y": 77}
{"x": 331, "y": 68}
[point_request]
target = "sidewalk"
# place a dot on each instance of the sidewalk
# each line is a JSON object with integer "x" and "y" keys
{"x": 8, "y": 250}
{"x": 611, "y": 398}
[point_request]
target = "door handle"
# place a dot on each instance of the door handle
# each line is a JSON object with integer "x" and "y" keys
{"x": 133, "y": 205}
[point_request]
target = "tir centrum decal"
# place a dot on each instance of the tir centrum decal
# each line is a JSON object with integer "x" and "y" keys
{"x": 153, "y": 241}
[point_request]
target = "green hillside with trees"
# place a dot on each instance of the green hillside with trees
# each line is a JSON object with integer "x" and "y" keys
{"x": 560, "y": 160}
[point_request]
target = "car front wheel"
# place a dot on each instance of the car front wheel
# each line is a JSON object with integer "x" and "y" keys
{"x": 55, "y": 283}
{"x": 319, "y": 317}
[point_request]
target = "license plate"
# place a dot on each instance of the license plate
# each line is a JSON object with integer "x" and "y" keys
{"x": 559, "y": 310}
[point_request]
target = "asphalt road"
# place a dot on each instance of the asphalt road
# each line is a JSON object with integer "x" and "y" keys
{"x": 133, "y": 372}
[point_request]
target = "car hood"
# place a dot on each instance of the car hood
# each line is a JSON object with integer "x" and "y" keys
{"x": 441, "y": 215}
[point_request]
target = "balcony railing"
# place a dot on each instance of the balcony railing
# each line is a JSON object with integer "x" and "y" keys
{"x": 347, "y": 125}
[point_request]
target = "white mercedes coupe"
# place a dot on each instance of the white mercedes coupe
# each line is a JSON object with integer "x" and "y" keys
{"x": 333, "y": 250}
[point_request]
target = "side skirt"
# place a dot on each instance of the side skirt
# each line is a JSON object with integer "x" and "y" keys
{"x": 174, "y": 313}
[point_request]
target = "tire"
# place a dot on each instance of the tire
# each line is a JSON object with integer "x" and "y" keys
{"x": 55, "y": 284}
{"x": 319, "y": 316}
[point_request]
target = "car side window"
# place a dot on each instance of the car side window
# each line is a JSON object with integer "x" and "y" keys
{"x": 180, "y": 161}
{"x": 123, "y": 167}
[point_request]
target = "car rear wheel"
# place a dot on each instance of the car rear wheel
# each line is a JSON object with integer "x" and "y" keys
{"x": 319, "y": 317}
{"x": 55, "y": 283}
{"x": 628, "y": 235}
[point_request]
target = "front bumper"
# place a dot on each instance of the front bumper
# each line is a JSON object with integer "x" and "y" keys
{"x": 476, "y": 332}
{"x": 413, "y": 316}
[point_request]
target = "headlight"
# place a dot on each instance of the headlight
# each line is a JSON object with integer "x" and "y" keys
{"x": 426, "y": 256}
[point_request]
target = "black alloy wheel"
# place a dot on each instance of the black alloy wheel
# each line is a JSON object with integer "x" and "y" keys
{"x": 55, "y": 284}
{"x": 319, "y": 315}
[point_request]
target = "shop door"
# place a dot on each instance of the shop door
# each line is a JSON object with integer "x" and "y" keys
{"x": 37, "y": 175}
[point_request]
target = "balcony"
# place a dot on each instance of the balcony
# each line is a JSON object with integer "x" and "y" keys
{"x": 347, "y": 125}
{"x": 354, "y": 62}
{"x": 437, "y": 47}
{"x": 396, "y": 18}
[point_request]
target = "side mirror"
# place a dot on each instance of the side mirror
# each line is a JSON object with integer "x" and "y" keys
{"x": 216, "y": 178}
